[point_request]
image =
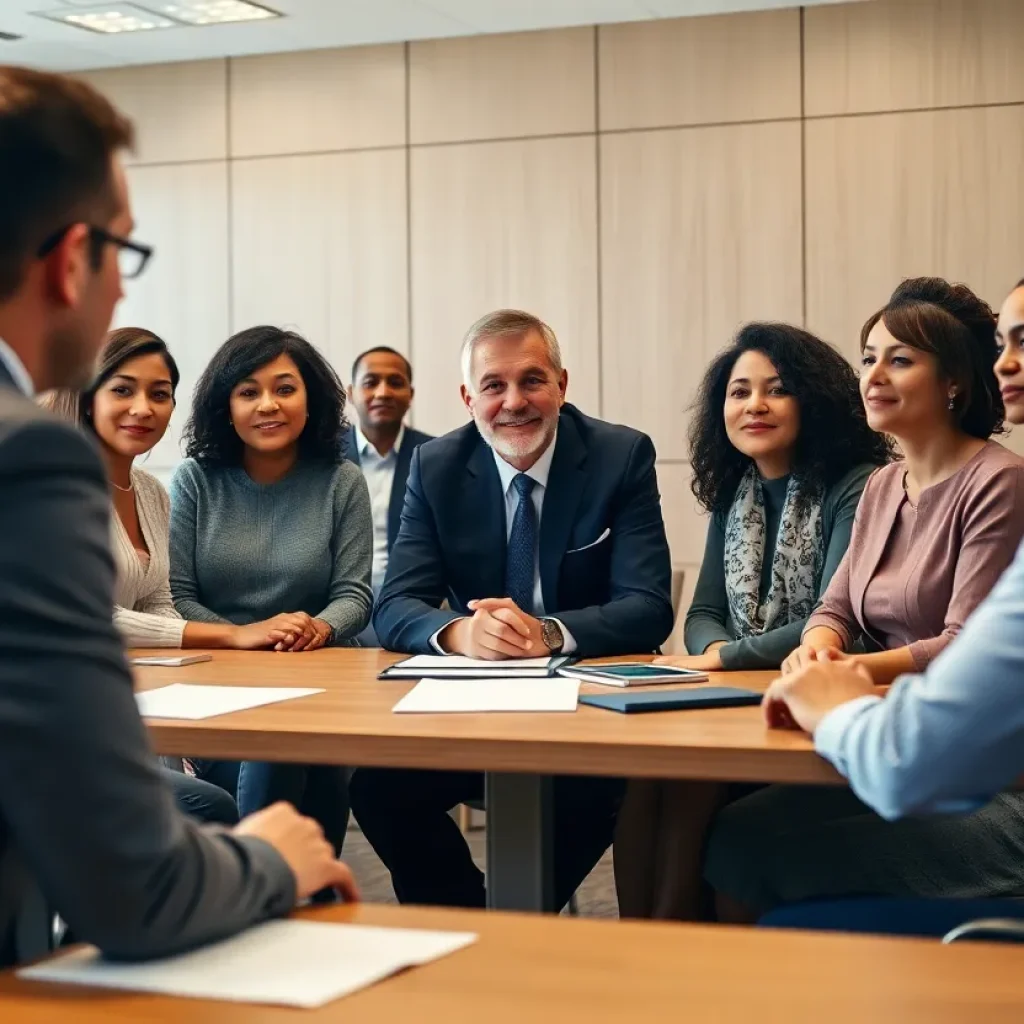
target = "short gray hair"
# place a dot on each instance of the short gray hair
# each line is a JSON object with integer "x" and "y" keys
{"x": 507, "y": 323}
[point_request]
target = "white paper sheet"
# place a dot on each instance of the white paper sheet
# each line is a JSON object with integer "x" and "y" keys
{"x": 448, "y": 696}
{"x": 193, "y": 701}
{"x": 285, "y": 963}
{"x": 446, "y": 662}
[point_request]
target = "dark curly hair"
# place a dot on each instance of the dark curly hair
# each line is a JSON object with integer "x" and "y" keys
{"x": 834, "y": 434}
{"x": 959, "y": 329}
{"x": 209, "y": 436}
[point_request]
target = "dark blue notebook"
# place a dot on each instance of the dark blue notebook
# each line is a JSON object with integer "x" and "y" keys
{"x": 692, "y": 698}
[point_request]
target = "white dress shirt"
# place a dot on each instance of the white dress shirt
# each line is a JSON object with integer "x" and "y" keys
{"x": 539, "y": 473}
{"x": 379, "y": 473}
{"x": 16, "y": 368}
{"x": 946, "y": 741}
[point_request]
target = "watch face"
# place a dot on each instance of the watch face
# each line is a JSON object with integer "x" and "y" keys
{"x": 551, "y": 635}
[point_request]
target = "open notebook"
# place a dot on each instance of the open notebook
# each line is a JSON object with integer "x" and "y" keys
{"x": 455, "y": 666}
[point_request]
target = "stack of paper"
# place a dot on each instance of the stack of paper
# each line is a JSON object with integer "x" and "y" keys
{"x": 193, "y": 702}
{"x": 448, "y": 696}
{"x": 287, "y": 963}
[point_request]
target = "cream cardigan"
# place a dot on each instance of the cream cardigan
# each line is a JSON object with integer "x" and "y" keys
{"x": 144, "y": 613}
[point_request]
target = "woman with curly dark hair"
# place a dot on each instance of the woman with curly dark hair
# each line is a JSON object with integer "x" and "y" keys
{"x": 933, "y": 534}
{"x": 268, "y": 520}
{"x": 780, "y": 451}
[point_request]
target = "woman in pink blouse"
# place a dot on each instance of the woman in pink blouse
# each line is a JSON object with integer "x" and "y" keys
{"x": 932, "y": 535}
{"x": 935, "y": 531}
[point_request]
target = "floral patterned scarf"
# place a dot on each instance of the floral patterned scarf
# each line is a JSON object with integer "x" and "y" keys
{"x": 796, "y": 564}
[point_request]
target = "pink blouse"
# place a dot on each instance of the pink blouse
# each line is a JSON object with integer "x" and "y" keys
{"x": 912, "y": 577}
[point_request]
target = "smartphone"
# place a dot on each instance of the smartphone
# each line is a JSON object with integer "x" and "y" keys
{"x": 172, "y": 661}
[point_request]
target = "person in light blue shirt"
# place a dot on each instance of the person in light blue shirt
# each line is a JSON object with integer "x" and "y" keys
{"x": 943, "y": 742}
{"x": 940, "y": 743}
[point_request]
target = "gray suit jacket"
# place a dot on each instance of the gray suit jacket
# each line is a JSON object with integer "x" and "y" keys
{"x": 86, "y": 826}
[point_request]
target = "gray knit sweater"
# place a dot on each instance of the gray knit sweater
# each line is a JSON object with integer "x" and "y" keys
{"x": 242, "y": 551}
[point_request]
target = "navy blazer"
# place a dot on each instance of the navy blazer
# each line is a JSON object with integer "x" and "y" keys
{"x": 604, "y": 559}
{"x": 411, "y": 440}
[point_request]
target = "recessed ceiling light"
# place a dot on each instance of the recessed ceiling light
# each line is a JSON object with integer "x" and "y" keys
{"x": 212, "y": 12}
{"x": 111, "y": 18}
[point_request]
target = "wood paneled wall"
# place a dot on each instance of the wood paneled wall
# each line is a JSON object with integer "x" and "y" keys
{"x": 644, "y": 187}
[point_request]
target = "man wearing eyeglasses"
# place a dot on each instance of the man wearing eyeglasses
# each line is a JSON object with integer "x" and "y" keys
{"x": 86, "y": 827}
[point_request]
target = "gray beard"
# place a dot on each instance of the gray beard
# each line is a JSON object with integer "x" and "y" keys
{"x": 544, "y": 435}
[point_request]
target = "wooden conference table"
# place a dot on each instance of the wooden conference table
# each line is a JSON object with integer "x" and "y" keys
{"x": 352, "y": 723}
{"x": 528, "y": 968}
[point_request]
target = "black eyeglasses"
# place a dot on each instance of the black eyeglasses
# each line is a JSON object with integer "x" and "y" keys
{"x": 132, "y": 257}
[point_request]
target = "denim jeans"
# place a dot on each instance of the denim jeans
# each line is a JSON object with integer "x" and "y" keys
{"x": 201, "y": 800}
{"x": 319, "y": 791}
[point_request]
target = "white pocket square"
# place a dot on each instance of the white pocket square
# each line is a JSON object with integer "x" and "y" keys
{"x": 593, "y": 544}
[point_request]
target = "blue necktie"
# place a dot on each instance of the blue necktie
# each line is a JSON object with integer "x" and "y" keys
{"x": 522, "y": 542}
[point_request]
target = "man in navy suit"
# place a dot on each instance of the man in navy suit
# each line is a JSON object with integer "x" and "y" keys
{"x": 542, "y": 528}
{"x": 382, "y": 446}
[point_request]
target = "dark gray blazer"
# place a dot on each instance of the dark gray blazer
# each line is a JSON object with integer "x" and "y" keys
{"x": 86, "y": 826}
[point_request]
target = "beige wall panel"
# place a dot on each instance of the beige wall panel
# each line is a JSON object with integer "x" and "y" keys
{"x": 735, "y": 67}
{"x": 907, "y": 54}
{"x": 903, "y": 195}
{"x": 318, "y": 100}
{"x": 685, "y": 524}
{"x": 319, "y": 245}
{"x": 494, "y": 225}
{"x": 1014, "y": 440}
{"x": 502, "y": 86}
{"x": 700, "y": 231}
{"x": 179, "y": 110}
{"x": 183, "y": 293}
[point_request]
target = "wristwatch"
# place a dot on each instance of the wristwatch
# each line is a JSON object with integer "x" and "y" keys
{"x": 551, "y": 634}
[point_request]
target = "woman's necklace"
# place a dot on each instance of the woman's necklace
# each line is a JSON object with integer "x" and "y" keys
{"x": 127, "y": 490}
{"x": 913, "y": 507}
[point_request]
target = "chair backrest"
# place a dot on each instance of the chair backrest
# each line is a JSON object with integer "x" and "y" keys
{"x": 674, "y": 643}
{"x": 678, "y": 579}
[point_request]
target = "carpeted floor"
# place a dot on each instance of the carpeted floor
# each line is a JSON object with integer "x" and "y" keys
{"x": 596, "y": 897}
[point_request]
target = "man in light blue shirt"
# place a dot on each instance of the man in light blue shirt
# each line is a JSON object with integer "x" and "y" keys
{"x": 944, "y": 742}
{"x": 381, "y": 445}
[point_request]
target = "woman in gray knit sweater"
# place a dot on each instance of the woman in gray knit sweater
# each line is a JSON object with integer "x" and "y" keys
{"x": 268, "y": 519}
